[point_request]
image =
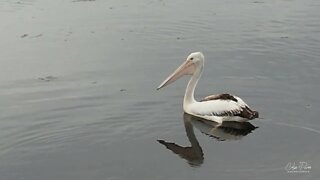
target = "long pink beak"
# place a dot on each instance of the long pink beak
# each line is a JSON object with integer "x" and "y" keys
{"x": 187, "y": 68}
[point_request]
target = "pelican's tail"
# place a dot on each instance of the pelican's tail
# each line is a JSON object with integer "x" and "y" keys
{"x": 255, "y": 114}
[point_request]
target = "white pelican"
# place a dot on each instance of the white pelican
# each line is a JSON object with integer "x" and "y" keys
{"x": 218, "y": 108}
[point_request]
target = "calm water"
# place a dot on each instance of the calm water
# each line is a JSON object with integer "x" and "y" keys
{"x": 78, "y": 98}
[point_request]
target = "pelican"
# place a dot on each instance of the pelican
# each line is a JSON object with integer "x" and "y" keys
{"x": 219, "y": 107}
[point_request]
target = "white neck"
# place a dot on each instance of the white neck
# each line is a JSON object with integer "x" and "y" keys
{"x": 189, "y": 94}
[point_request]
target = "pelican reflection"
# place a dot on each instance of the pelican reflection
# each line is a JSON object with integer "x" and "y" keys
{"x": 194, "y": 155}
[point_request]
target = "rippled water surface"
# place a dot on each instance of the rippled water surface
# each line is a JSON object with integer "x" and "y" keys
{"x": 78, "y": 98}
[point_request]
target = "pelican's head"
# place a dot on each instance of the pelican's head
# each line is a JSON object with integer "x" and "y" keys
{"x": 196, "y": 57}
{"x": 193, "y": 63}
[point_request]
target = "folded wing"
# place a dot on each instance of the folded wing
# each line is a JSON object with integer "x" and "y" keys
{"x": 225, "y": 105}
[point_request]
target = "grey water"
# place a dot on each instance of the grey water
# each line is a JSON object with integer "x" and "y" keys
{"x": 78, "y": 95}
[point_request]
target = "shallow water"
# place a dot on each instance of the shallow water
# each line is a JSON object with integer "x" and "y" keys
{"x": 78, "y": 79}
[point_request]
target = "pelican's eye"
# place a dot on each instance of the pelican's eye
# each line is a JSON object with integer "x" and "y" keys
{"x": 191, "y": 58}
